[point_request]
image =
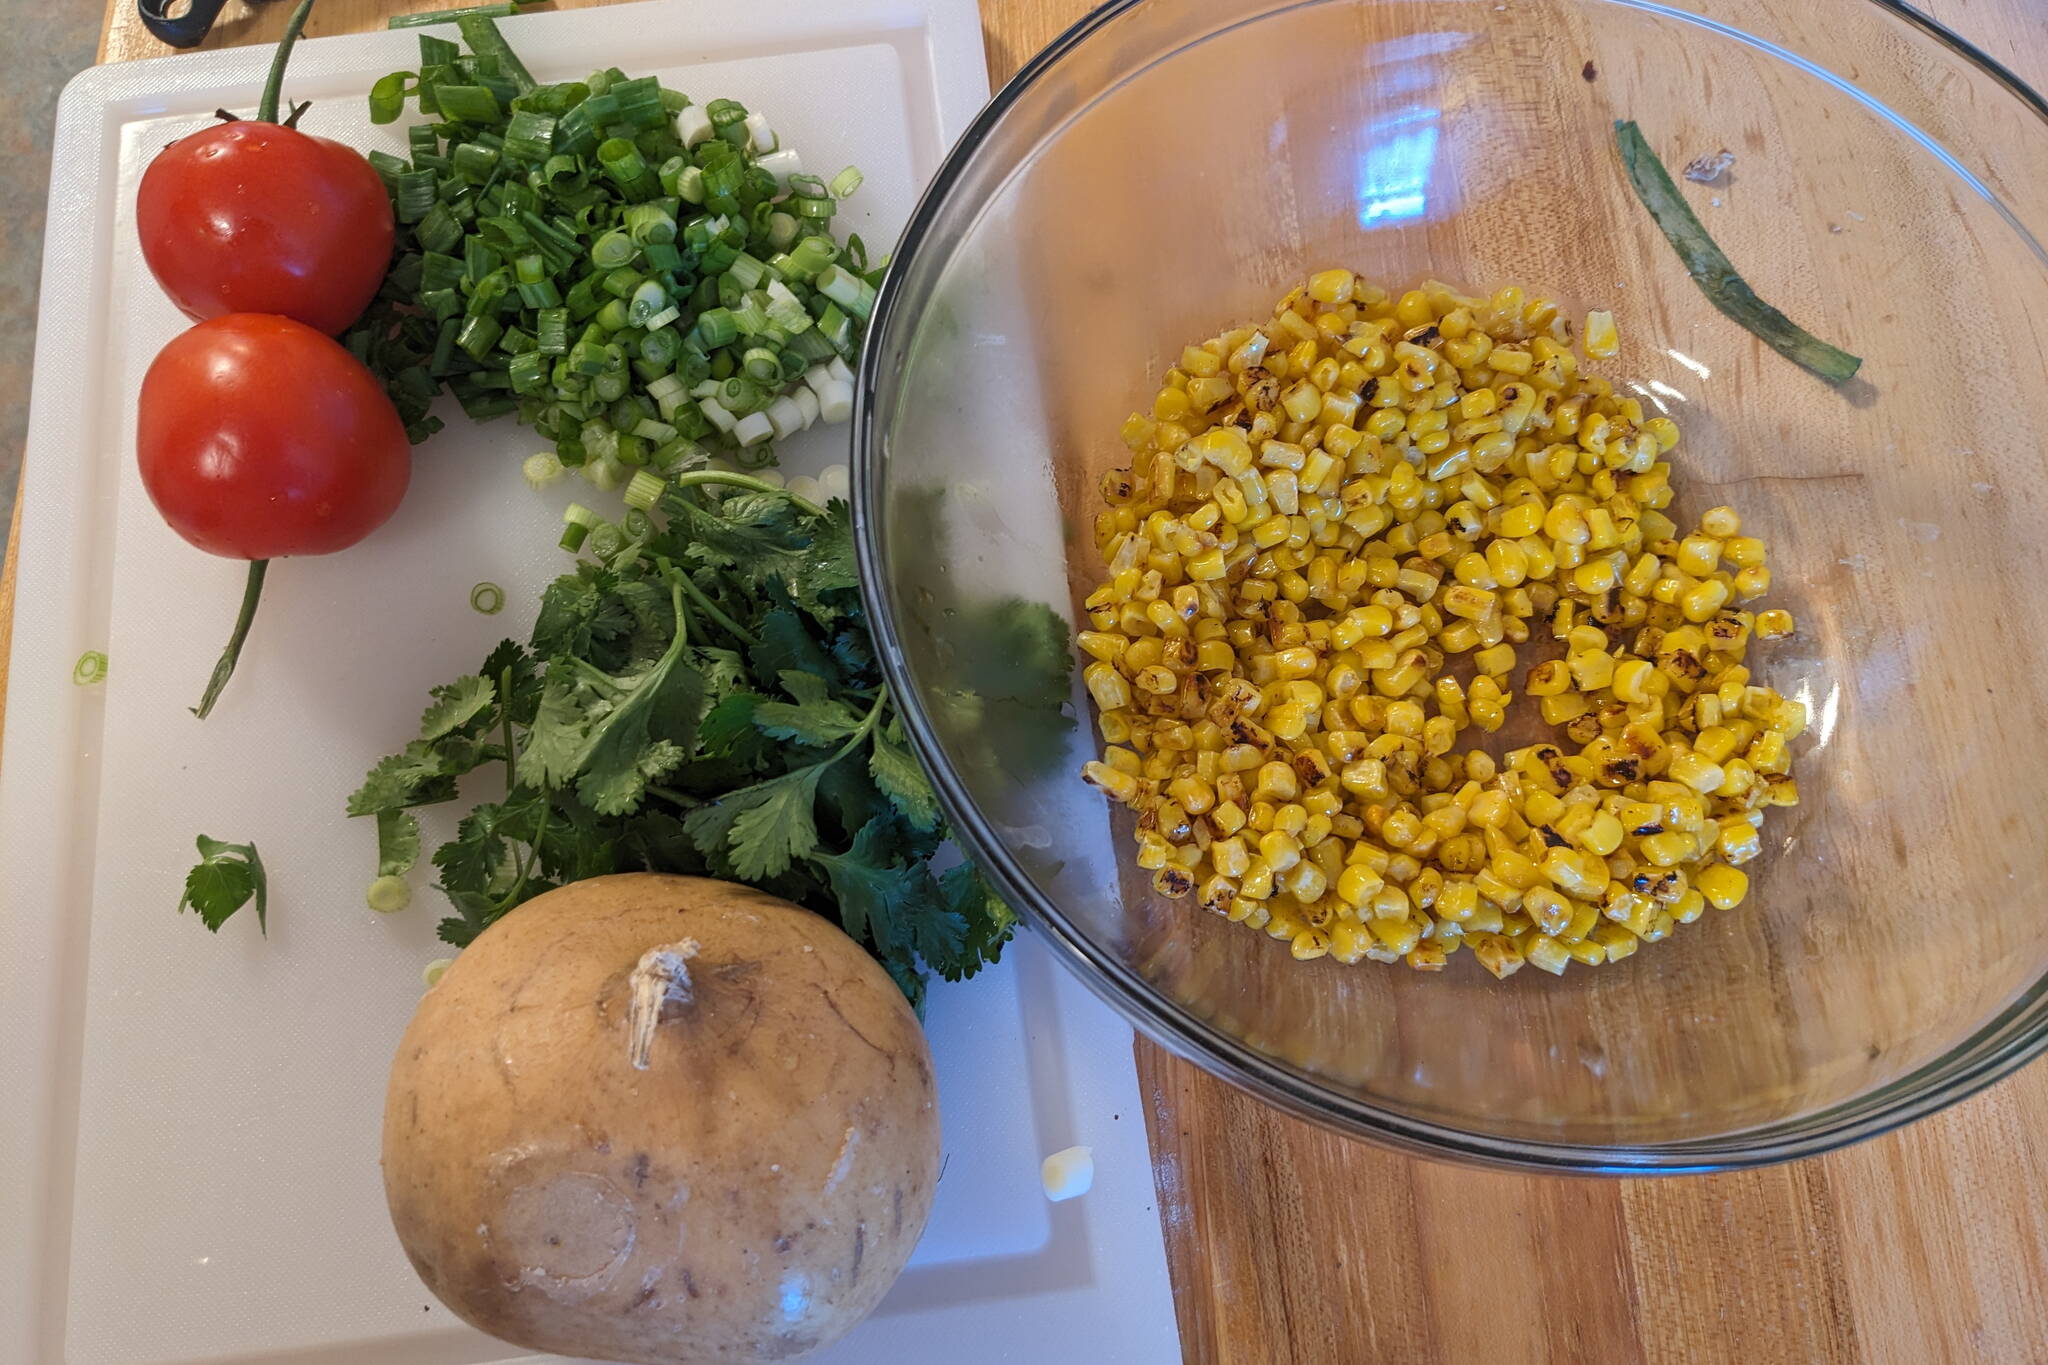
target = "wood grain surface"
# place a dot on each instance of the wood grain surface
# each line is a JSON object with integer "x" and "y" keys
{"x": 1289, "y": 1244}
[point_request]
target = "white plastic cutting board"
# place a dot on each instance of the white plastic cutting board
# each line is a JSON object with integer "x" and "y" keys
{"x": 189, "y": 1124}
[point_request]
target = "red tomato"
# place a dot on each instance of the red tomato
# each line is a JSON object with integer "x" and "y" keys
{"x": 253, "y": 217}
{"x": 260, "y": 437}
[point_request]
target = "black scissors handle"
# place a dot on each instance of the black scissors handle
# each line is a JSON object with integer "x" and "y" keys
{"x": 188, "y": 29}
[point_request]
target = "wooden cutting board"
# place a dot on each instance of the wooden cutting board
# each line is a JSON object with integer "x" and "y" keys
{"x": 1289, "y": 1244}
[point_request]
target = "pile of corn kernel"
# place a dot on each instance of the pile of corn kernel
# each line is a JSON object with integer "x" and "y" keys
{"x": 1331, "y": 519}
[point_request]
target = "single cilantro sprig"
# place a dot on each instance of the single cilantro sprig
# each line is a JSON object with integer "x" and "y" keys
{"x": 222, "y": 882}
{"x": 705, "y": 699}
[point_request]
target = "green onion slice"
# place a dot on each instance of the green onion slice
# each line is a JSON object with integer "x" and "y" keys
{"x": 1713, "y": 272}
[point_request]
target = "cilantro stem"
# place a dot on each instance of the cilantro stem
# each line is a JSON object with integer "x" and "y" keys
{"x": 712, "y": 609}
{"x": 867, "y": 727}
{"x": 601, "y": 681}
{"x": 527, "y": 858}
{"x": 719, "y": 476}
{"x": 674, "y": 797}
{"x": 505, "y": 714}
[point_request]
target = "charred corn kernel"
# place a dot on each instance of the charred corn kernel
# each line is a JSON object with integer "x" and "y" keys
{"x": 1775, "y": 624}
{"x": 1279, "y": 851}
{"x": 1703, "y": 599}
{"x": 1668, "y": 849}
{"x": 1695, "y": 770}
{"x": 1720, "y": 522}
{"x": 1320, "y": 516}
{"x": 1744, "y": 552}
{"x": 1118, "y": 786}
{"x": 1331, "y": 286}
{"x": 1497, "y": 953}
{"x": 1722, "y": 885}
{"x": 1495, "y": 661}
{"x": 1546, "y": 954}
{"x": 1602, "y": 835}
{"x": 1698, "y": 555}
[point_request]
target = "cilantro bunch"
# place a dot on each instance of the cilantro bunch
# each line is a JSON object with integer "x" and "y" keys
{"x": 702, "y": 697}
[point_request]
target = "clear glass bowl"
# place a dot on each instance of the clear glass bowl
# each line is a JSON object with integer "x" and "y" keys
{"x": 1169, "y": 167}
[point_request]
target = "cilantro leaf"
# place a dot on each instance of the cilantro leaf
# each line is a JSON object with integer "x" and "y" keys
{"x": 580, "y": 613}
{"x": 904, "y": 783}
{"x": 827, "y": 584}
{"x": 889, "y": 904}
{"x": 548, "y": 757}
{"x": 725, "y": 724}
{"x": 223, "y": 881}
{"x": 455, "y": 705}
{"x": 398, "y": 842}
{"x": 815, "y": 718}
{"x": 990, "y": 921}
{"x": 510, "y": 662}
{"x": 421, "y": 774}
{"x": 757, "y": 831}
{"x": 471, "y": 860}
{"x": 784, "y": 644}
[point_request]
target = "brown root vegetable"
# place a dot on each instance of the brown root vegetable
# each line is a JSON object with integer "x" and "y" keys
{"x": 663, "y": 1120}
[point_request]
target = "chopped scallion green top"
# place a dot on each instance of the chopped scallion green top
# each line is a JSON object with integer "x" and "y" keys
{"x": 589, "y": 255}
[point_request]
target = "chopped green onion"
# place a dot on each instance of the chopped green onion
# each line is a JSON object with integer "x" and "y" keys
{"x": 432, "y": 973}
{"x": 643, "y": 490}
{"x": 91, "y": 668}
{"x": 648, "y": 300}
{"x": 529, "y": 370}
{"x": 387, "y": 96}
{"x": 502, "y": 9}
{"x": 846, "y": 182}
{"x": 529, "y": 137}
{"x": 812, "y": 255}
{"x": 413, "y": 198}
{"x": 836, "y": 328}
{"x": 541, "y": 469}
{"x": 626, "y": 168}
{"x": 478, "y": 335}
{"x": 650, "y": 223}
{"x": 613, "y": 250}
{"x": 1714, "y": 273}
{"x": 485, "y": 40}
{"x": 577, "y": 521}
{"x": 468, "y": 103}
{"x": 487, "y": 598}
{"x": 717, "y": 327}
{"x": 551, "y": 331}
{"x": 848, "y": 290}
{"x": 531, "y": 213}
{"x": 389, "y": 895}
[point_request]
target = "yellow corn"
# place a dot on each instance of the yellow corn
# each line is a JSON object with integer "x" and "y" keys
{"x": 1294, "y": 563}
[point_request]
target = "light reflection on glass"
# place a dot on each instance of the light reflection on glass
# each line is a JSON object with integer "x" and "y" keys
{"x": 1401, "y": 144}
{"x": 1824, "y": 715}
{"x": 1682, "y": 358}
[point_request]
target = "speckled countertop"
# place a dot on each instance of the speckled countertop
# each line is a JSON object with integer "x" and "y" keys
{"x": 34, "y": 64}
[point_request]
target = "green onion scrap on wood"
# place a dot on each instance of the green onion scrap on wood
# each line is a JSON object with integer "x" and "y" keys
{"x": 1713, "y": 272}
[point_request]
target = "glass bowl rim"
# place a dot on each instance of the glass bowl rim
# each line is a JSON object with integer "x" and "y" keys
{"x": 2003, "y": 1044}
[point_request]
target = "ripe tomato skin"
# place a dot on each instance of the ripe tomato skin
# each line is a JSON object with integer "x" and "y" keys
{"x": 259, "y": 437}
{"x": 253, "y": 217}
